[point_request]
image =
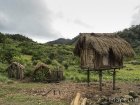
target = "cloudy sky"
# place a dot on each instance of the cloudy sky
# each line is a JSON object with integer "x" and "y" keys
{"x": 45, "y": 20}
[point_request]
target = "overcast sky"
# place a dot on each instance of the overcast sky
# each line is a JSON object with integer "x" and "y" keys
{"x": 45, "y": 20}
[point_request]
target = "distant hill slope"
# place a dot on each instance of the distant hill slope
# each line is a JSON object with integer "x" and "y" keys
{"x": 64, "y": 41}
{"x": 15, "y": 37}
{"x": 60, "y": 41}
{"x": 132, "y": 35}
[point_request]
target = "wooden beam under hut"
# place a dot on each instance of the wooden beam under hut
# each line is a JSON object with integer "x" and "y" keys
{"x": 88, "y": 76}
{"x": 114, "y": 78}
{"x": 100, "y": 79}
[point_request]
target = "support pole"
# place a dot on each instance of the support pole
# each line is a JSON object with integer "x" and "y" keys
{"x": 88, "y": 76}
{"x": 114, "y": 78}
{"x": 100, "y": 79}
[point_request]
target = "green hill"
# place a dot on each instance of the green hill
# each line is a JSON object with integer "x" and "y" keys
{"x": 132, "y": 35}
{"x": 14, "y": 37}
{"x": 27, "y": 52}
{"x": 60, "y": 41}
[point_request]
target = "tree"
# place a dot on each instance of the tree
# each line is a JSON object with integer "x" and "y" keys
{"x": 9, "y": 54}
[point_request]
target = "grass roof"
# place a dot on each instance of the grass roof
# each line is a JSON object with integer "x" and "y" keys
{"x": 102, "y": 43}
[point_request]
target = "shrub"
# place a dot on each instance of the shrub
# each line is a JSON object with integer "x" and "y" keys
{"x": 28, "y": 71}
{"x": 3, "y": 68}
{"x": 3, "y": 78}
{"x": 42, "y": 74}
{"x": 65, "y": 64}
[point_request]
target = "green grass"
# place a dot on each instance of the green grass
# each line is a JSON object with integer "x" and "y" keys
{"x": 11, "y": 91}
{"x": 3, "y": 78}
{"x": 129, "y": 73}
{"x": 21, "y": 99}
{"x": 27, "y": 57}
{"x": 11, "y": 94}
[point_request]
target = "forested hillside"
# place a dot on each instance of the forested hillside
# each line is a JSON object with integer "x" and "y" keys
{"x": 27, "y": 52}
{"x": 132, "y": 35}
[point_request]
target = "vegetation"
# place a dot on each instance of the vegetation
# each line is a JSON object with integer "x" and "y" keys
{"x": 132, "y": 35}
{"x": 27, "y": 52}
{"x": 10, "y": 96}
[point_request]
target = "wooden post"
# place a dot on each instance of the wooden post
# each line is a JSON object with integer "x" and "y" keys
{"x": 114, "y": 78}
{"x": 77, "y": 99}
{"x": 88, "y": 76}
{"x": 100, "y": 79}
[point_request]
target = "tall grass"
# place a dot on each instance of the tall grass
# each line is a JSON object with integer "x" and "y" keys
{"x": 129, "y": 73}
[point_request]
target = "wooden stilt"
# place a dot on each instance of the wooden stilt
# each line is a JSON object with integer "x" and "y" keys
{"x": 88, "y": 76}
{"x": 114, "y": 78}
{"x": 100, "y": 79}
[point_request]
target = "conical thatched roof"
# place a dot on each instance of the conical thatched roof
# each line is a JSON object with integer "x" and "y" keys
{"x": 20, "y": 66}
{"x": 102, "y": 43}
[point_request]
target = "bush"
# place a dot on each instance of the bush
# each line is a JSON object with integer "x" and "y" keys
{"x": 3, "y": 78}
{"x": 28, "y": 71}
{"x": 36, "y": 62}
{"x": 3, "y": 68}
{"x": 47, "y": 61}
{"x": 41, "y": 75}
{"x": 65, "y": 64}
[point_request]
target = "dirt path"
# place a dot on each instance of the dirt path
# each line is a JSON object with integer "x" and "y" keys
{"x": 67, "y": 90}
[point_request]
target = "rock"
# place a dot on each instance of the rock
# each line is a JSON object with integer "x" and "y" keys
{"x": 103, "y": 101}
{"x": 133, "y": 94}
{"x": 135, "y": 62}
{"x": 126, "y": 98}
{"x": 124, "y": 104}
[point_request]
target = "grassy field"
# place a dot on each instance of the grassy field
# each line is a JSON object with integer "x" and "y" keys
{"x": 129, "y": 73}
{"x": 12, "y": 92}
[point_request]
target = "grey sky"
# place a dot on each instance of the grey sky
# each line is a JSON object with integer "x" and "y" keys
{"x": 45, "y": 20}
{"x": 28, "y": 17}
{"x": 136, "y": 16}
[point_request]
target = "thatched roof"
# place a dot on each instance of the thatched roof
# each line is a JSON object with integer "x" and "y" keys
{"x": 41, "y": 65}
{"x": 102, "y": 43}
{"x": 20, "y": 66}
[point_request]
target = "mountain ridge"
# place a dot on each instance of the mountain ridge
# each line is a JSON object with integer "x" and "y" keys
{"x": 131, "y": 35}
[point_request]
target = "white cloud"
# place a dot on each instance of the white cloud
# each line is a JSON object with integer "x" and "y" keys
{"x": 28, "y": 17}
{"x": 81, "y": 23}
{"x": 136, "y": 16}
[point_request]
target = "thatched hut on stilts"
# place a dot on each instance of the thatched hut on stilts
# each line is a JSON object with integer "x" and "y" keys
{"x": 102, "y": 51}
{"x": 15, "y": 70}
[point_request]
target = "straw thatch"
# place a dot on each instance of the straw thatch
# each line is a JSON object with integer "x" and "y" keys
{"x": 42, "y": 72}
{"x": 16, "y": 70}
{"x": 40, "y": 66}
{"x": 103, "y": 45}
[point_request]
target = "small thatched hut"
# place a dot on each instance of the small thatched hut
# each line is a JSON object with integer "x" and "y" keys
{"x": 42, "y": 72}
{"x": 102, "y": 50}
{"x": 16, "y": 70}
